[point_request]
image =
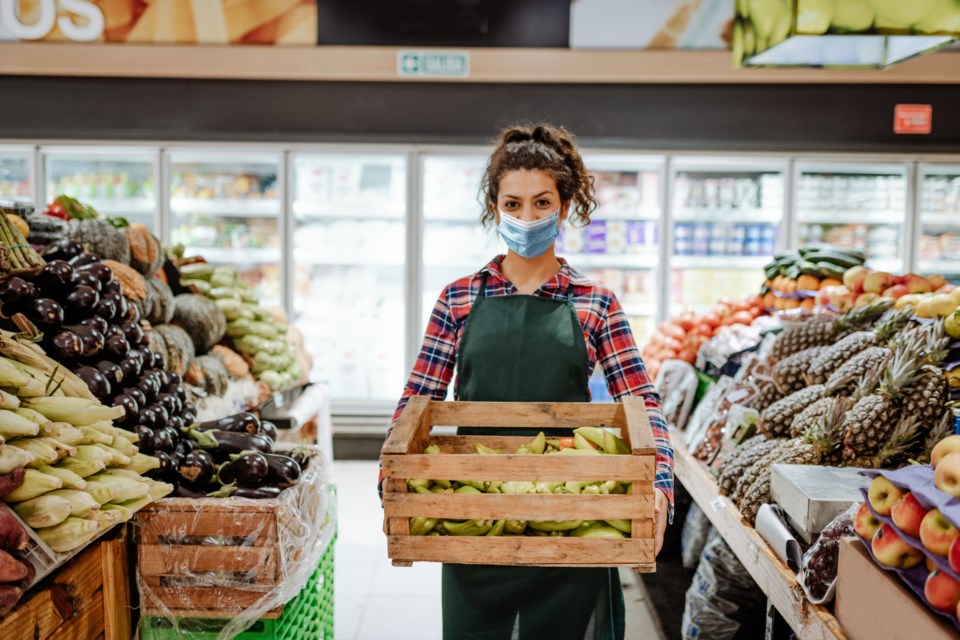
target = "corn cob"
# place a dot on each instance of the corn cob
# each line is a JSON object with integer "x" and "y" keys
{"x": 13, "y": 457}
{"x": 8, "y": 400}
{"x": 83, "y": 467}
{"x": 11, "y": 377}
{"x": 13, "y": 425}
{"x": 69, "y": 479}
{"x": 16, "y": 351}
{"x": 62, "y": 450}
{"x": 70, "y": 534}
{"x": 124, "y": 513}
{"x": 34, "y": 484}
{"x": 141, "y": 463}
{"x": 81, "y": 502}
{"x": 108, "y": 517}
{"x": 77, "y": 411}
{"x": 61, "y": 431}
{"x": 125, "y": 488}
{"x": 44, "y": 511}
{"x": 43, "y": 453}
{"x": 124, "y": 447}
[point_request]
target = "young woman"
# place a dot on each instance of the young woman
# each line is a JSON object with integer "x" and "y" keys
{"x": 529, "y": 328}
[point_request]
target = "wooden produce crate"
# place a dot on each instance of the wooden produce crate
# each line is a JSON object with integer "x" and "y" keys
{"x": 403, "y": 459}
{"x": 215, "y": 558}
{"x": 87, "y": 599}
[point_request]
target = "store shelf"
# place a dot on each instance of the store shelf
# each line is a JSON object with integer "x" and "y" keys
{"x": 640, "y": 309}
{"x": 131, "y": 207}
{"x": 235, "y": 256}
{"x": 940, "y": 220}
{"x": 345, "y": 211}
{"x": 611, "y": 213}
{"x": 942, "y": 267}
{"x": 731, "y": 216}
{"x": 890, "y": 265}
{"x": 824, "y": 216}
{"x": 357, "y": 259}
{"x": 226, "y": 208}
{"x": 719, "y": 262}
{"x": 808, "y": 621}
{"x": 582, "y": 261}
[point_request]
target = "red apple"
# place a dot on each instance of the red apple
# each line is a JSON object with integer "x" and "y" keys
{"x": 942, "y": 448}
{"x": 918, "y": 284}
{"x": 907, "y": 514}
{"x": 854, "y": 276}
{"x": 876, "y": 281}
{"x": 946, "y": 476}
{"x": 896, "y": 292}
{"x": 942, "y": 592}
{"x": 892, "y": 551}
{"x": 895, "y": 280}
{"x": 937, "y": 533}
{"x": 882, "y": 494}
{"x": 936, "y": 281}
{"x": 865, "y": 523}
{"x": 953, "y": 556}
{"x": 866, "y": 298}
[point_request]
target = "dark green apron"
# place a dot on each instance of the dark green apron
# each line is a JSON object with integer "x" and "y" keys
{"x": 523, "y": 348}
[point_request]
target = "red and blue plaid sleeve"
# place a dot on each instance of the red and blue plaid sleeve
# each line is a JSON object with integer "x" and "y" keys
{"x": 625, "y": 374}
{"x": 434, "y": 366}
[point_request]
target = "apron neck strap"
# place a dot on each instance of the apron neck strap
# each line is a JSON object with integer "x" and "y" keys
{"x": 483, "y": 285}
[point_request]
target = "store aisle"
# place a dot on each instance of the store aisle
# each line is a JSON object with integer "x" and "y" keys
{"x": 377, "y": 601}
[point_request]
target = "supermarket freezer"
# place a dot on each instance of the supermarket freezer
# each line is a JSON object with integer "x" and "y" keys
{"x": 17, "y": 173}
{"x": 938, "y": 248}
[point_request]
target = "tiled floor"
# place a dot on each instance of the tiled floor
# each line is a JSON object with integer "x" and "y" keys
{"x": 377, "y": 601}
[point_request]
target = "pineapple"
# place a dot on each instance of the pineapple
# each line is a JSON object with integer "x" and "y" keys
{"x": 819, "y": 332}
{"x": 832, "y": 357}
{"x": 732, "y": 472}
{"x": 810, "y": 417}
{"x": 758, "y": 493}
{"x": 776, "y": 419}
{"x": 939, "y": 431}
{"x": 927, "y": 397}
{"x": 788, "y": 374}
{"x": 896, "y": 448}
{"x": 826, "y": 432}
{"x": 743, "y": 448}
{"x": 767, "y": 396}
{"x": 760, "y": 467}
{"x": 844, "y": 380}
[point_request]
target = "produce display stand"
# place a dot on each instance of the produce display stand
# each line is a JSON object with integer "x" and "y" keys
{"x": 403, "y": 459}
{"x": 775, "y": 579}
{"x": 87, "y": 598}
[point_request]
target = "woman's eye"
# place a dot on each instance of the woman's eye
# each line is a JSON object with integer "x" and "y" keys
{"x": 543, "y": 203}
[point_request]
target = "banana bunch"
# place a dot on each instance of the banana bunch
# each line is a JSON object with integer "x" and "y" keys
{"x": 585, "y": 441}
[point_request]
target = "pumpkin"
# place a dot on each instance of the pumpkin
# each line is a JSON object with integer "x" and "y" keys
{"x": 159, "y": 308}
{"x": 179, "y": 347}
{"x": 201, "y": 318}
{"x": 208, "y": 373}
{"x": 158, "y": 345}
{"x": 101, "y": 238}
{"x": 146, "y": 252}
{"x": 134, "y": 286}
{"x": 234, "y": 363}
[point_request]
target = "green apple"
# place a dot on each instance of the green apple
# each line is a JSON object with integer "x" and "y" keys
{"x": 814, "y": 16}
{"x": 853, "y": 15}
{"x": 944, "y": 19}
{"x": 901, "y": 14}
{"x": 951, "y": 325}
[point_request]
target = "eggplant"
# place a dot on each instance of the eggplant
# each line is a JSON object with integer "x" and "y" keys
{"x": 131, "y": 371}
{"x": 97, "y": 323}
{"x": 149, "y": 386}
{"x": 265, "y": 492}
{"x": 163, "y": 416}
{"x": 302, "y": 457}
{"x": 131, "y": 409}
{"x": 95, "y": 381}
{"x": 114, "y": 287}
{"x": 169, "y": 402}
{"x": 247, "y": 470}
{"x": 146, "y": 436}
{"x": 181, "y": 393}
{"x": 284, "y": 470}
{"x": 183, "y": 447}
{"x": 268, "y": 429}
{"x": 167, "y": 469}
{"x": 112, "y": 372}
{"x": 156, "y": 360}
{"x": 173, "y": 434}
{"x": 120, "y": 301}
{"x": 106, "y": 308}
{"x": 116, "y": 347}
{"x": 196, "y": 467}
{"x": 138, "y": 355}
{"x": 240, "y": 422}
{"x": 83, "y": 260}
{"x": 89, "y": 280}
{"x": 82, "y": 301}
{"x": 44, "y": 312}
{"x": 135, "y": 393}
{"x": 113, "y": 330}
{"x": 62, "y": 250}
{"x": 176, "y": 422}
{"x": 230, "y": 442}
{"x": 14, "y": 290}
{"x": 189, "y": 412}
{"x": 148, "y": 417}
{"x": 182, "y": 491}
{"x": 56, "y": 278}
{"x": 162, "y": 442}
{"x": 174, "y": 381}
{"x": 91, "y": 340}
{"x": 133, "y": 332}
{"x": 103, "y": 272}
{"x": 67, "y": 345}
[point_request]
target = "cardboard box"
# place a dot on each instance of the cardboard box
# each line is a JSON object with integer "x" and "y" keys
{"x": 812, "y": 496}
{"x": 873, "y": 603}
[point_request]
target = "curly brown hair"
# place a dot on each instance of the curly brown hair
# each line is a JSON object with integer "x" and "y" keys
{"x": 546, "y": 148}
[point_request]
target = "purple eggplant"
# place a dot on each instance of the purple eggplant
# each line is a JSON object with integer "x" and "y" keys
{"x": 182, "y": 491}
{"x": 133, "y": 332}
{"x": 169, "y": 402}
{"x": 112, "y": 372}
{"x": 67, "y": 345}
{"x": 44, "y": 312}
{"x": 301, "y": 456}
{"x": 149, "y": 386}
{"x": 106, "y": 308}
{"x": 240, "y": 422}
{"x": 95, "y": 381}
{"x": 62, "y": 250}
{"x": 91, "y": 340}
{"x": 268, "y": 429}
{"x": 183, "y": 447}
{"x": 231, "y": 442}
{"x": 119, "y": 301}
{"x": 116, "y": 348}
{"x": 136, "y": 394}
{"x": 56, "y": 278}
{"x": 146, "y": 436}
{"x": 131, "y": 410}
{"x": 148, "y": 417}
{"x": 173, "y": 381}
{"x": 284, "y": 470}
{"x": 132, "y": 315}
{"x": 114, "y": 287}
{"x": 189, "y": 413}
{"x": 97, "y": 323}
{"x": 167, "y": 470}
{"x": 162, "y": 442}
{"x": 196, "y": 467}
{"x": 103, "y": 272}
{"x": 181, "y": 393}
{"x": 163, "y": 416}
{"x": 247, "y": 470}
{"x": 176, "y": 422}
{"x": 83, "y": 260}
{"x": 88, "y": 280}
{"x": 113, "y": 330}
{"x": 81, "y": 302}
{"x": 131, "y": 371}
{"x": 265, "y": 492}
{"x": 15, "y": 290}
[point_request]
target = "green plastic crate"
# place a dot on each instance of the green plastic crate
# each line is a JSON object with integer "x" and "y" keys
{"x": 309, "y": 616}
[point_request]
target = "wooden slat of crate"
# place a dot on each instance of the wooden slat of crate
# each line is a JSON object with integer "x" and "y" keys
{"x": 532, "y": 468}
{"x": 180, "y": 560}
{"x": 196, "y": 602}
{"x": 517, "y": 507}
{"x": 526, "y": 414}
{"x": 165, "y": 522}
{"x": 524, "y": 551}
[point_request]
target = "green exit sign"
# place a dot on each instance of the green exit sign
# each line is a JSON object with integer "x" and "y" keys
{"x": 433, "y": 64}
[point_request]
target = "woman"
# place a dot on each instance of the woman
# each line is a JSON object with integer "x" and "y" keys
{"x": 529, "y": 328}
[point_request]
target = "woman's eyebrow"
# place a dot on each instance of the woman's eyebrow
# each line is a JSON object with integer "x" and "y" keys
{"x": 545, "y": 193}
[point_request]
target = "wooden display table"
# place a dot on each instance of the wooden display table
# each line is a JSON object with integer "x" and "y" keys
{"x": 778, "y": 582}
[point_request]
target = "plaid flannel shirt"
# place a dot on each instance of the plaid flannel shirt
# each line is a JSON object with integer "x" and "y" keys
{"x": 605, "y": 328}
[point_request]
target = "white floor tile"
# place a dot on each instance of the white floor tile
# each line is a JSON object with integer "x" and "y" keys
{"x": 347, "y": 613}
{"x": 401, "y": 618}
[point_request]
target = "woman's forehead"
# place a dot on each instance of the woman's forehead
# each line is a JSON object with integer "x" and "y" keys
{"x": 527, "y": 183}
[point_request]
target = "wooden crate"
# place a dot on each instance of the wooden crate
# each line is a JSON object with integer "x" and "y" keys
{"x": 87, "y": 599}
{"x": 403, "y": 459}
{"x": 214, "y": 558}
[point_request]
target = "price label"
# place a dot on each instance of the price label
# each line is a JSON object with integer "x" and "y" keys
{"x": 914, "y": 119}
{"x": 717, "y": 504}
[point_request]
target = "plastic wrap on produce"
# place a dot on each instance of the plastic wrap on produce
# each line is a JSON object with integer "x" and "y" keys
{"x": 240, "y": 395}
{"x": 234, "y": 558}
{"x": 693, "y": 537}
{"x": 677, "y": 383}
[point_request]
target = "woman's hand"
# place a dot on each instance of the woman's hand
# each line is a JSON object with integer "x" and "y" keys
{"x": 660, "y": 514}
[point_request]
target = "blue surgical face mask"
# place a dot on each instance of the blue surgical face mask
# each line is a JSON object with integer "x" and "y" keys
{"x": 529, "y": 239}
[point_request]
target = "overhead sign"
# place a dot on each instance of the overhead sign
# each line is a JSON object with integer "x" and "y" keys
{"x": 413, "y": 63}
{"x": 913, "y": 119}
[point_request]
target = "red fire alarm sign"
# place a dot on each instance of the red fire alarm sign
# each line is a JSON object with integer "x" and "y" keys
{"x": 913, "y": 118}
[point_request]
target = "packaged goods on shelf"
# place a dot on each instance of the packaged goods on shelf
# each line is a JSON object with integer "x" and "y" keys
{"x": 818, "y": 574}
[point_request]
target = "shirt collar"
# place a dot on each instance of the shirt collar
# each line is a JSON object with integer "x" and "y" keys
{"x": 564, "y": 278}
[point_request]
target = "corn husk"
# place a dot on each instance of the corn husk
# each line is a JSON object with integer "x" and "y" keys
{"x": 142, "y": 463}
{"x": 13, "y": 425}
{"x": 42, "y": 452}
{"x": 62, "y": 431}
{"x": 81, "y": 502}
{"x": 125, "y": 489}
{"x": 93, "y": 436}
{"x": 69, "y": 479}
{"x": 70, "y": 534}
{"x": 24, "y": 353}
{"x": 43, "y": 511}
{"x": 83, "y": 467}
{"x": 34, "y": 484}
{"x": 124, "y": 446}
{"x": 77, "y": 411}
{"x": 13, "y": 457}
{"x": 124, "y": 513}
{"x": 62, "y": 450}
{"x": 8, "y": 400}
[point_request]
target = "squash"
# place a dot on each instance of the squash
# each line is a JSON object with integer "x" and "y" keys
{"x": 134, "y": 286}
{"x": 146, "y": 252}
{"x": 158, "y": 345}
{"x": 234, "y": 363}
{"x": 179, "y": 347}
{"x": 159, "y": 309}
{"x": 208, "y": 373}
{"x": 101, "y": 238}
{"x": 201, "y": 318}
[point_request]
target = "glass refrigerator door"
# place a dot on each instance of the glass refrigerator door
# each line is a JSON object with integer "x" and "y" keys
{"x": 350, "y": 272}
{"x": 16, "y": 183}
{"x": 727, "y": 218}
{"x": 940, "y": 222}
{"x": 117, "y": 182}
{"x": 862, "y": 207}
{"x": 227, "y": 207}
